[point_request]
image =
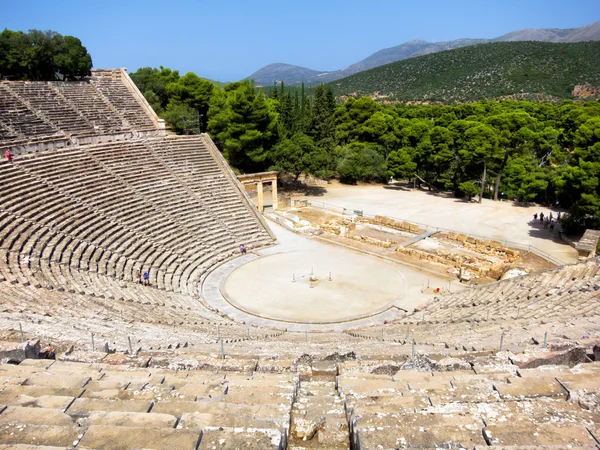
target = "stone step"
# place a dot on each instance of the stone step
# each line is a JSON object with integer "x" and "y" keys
{"x": 222, "y": 438}
{"x": 46, "y": 437}
{"x": 131, "y": 419}
{"x": 516, "y": 434}
{"x": 119, "y": 437}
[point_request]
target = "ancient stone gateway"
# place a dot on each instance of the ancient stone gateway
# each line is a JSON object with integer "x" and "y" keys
{"x": 257, "y": 179}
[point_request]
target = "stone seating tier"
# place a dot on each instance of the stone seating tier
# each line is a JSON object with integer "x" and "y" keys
{"x": 80, "y": 220}
{"x": 39, "y": 115}
{"x": 99, "y": 400}
{"x": 52, "y": 106}
{"x": 113, "y": 88}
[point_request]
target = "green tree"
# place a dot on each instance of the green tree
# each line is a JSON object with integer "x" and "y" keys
{"x": 72, "y": 59}
{"x": 359, "y": 162}
{"x": 42, "y": 55}
{"x": 243, "y": 124}
{"x": 513, "y": 136}
{"x": 182, "y": 118}
{"x": 468, "y": 188}
{"x": 299, "y": 154}
{"x": 154, "y": 80}
{"x": 480, "y": 148}
{"x": 194, "y": 92}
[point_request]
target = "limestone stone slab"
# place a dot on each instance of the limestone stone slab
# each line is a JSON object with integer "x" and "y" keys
{"x": 31, "y": 447}
{"x": 42, "y": 363}
{"x": 441, "y": 437}
{"x": 257, "y": 396}
{"x": 430, "y": 384}
{"x": 10, "y": 392}
{"x": 463, "y": 395}
{"x": 407, "y": 376}
{"x": 54, "y": 380}
{"x": 531, "y": 387}
{"x": 117, "y": 438}
{"x": 544, "y": 371}
{"x": 538, "y": 434}
{"x": 177, "y": 407}
{"x": 236, "y": 416}
{"x": 12, "y": 381}
{"x": 201, "y": 390}
{"x": 85, "y": 406}
{"x": 38, "y": 436}
{"x": 131, "y": 419}
{"x": 43, "y": 401}
{"x": 234, "y": 439}
{"x": 34, "y": 416}
{"x": 573, "y": 382}
{"x": 119, "y": 394}
{"x": 372, "y": 387}
{"x": 390, "y": 404}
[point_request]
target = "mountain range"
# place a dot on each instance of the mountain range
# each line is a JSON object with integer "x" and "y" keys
{"x": 294, "y": 75}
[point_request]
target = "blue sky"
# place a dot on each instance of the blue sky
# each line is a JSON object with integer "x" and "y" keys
{"x": 229, "y": 39}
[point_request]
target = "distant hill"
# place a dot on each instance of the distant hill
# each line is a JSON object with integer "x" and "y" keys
{"x": 492, "y": 70}
{"x": 291, "y": 74}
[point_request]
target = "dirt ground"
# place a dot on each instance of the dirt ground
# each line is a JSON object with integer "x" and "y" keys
{"x": 503, "y": 220}
{"x": 526, "y": 261}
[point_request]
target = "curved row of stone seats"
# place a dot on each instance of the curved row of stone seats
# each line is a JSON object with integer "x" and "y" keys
{"x": 190, "y": 159}
{"x": 500, "y": 406}
{"x": 115, "y": 313}
{"x": 93, "y": 106}
{"x": 48, "y": 103}
{"x": 85, "y": 207}
{"x": 552, "y": 297}
{"x": 17, "y": 116}
{"x": 554, "y": 307}
{"x": 97, "y": 186}
{"x": 102, "y": 405}
{"x": 110, "y": 84}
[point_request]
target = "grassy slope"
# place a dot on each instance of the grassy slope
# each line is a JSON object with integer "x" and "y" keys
{"x": 481, "y": 71}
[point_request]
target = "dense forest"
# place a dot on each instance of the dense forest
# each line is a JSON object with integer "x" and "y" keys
{"x": 481, "y": 71}
{"x": 518, "y": 150}
{"x": 43, "y": 56}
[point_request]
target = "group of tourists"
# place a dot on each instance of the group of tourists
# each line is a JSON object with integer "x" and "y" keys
{"x": 146, "y": 277}
{"x": 548, "y": 221}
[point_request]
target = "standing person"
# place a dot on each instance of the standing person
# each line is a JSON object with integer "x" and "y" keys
{"x": 242, "y": 249}
{"x": 551, "y": 225}
{"x": 535, "y": 217}
{"x": 146, "y": 278}
{"x": 542, "y": 217}
{"x": 138, "y": 277}
{"x": 9, "y": 156}
{"x": 550, "y": 216}
{"x": 558, "y": 216}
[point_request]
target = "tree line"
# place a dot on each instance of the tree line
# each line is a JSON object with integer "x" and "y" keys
{"x": 517, "y": 150}
{"x": 42, "y": 56}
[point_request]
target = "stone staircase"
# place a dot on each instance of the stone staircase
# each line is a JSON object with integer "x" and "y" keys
{"x": 318, "y": 414}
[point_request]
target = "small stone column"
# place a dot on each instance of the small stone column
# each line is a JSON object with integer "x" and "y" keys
{"x": 259, "y": 196}
{"x": 274, "y": 193}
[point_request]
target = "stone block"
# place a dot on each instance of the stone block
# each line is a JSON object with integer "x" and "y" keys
{"x": 116, "y": 437}
{"x": 461, "y": 237}
{"x": 570, "y": 357}
{"x": 18, "y": 352}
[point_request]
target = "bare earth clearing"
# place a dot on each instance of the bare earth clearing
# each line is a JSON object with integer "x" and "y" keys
{"x": 497, "y": 220}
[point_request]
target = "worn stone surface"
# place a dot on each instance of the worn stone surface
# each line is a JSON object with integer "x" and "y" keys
{"x": 570, "y": 357}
